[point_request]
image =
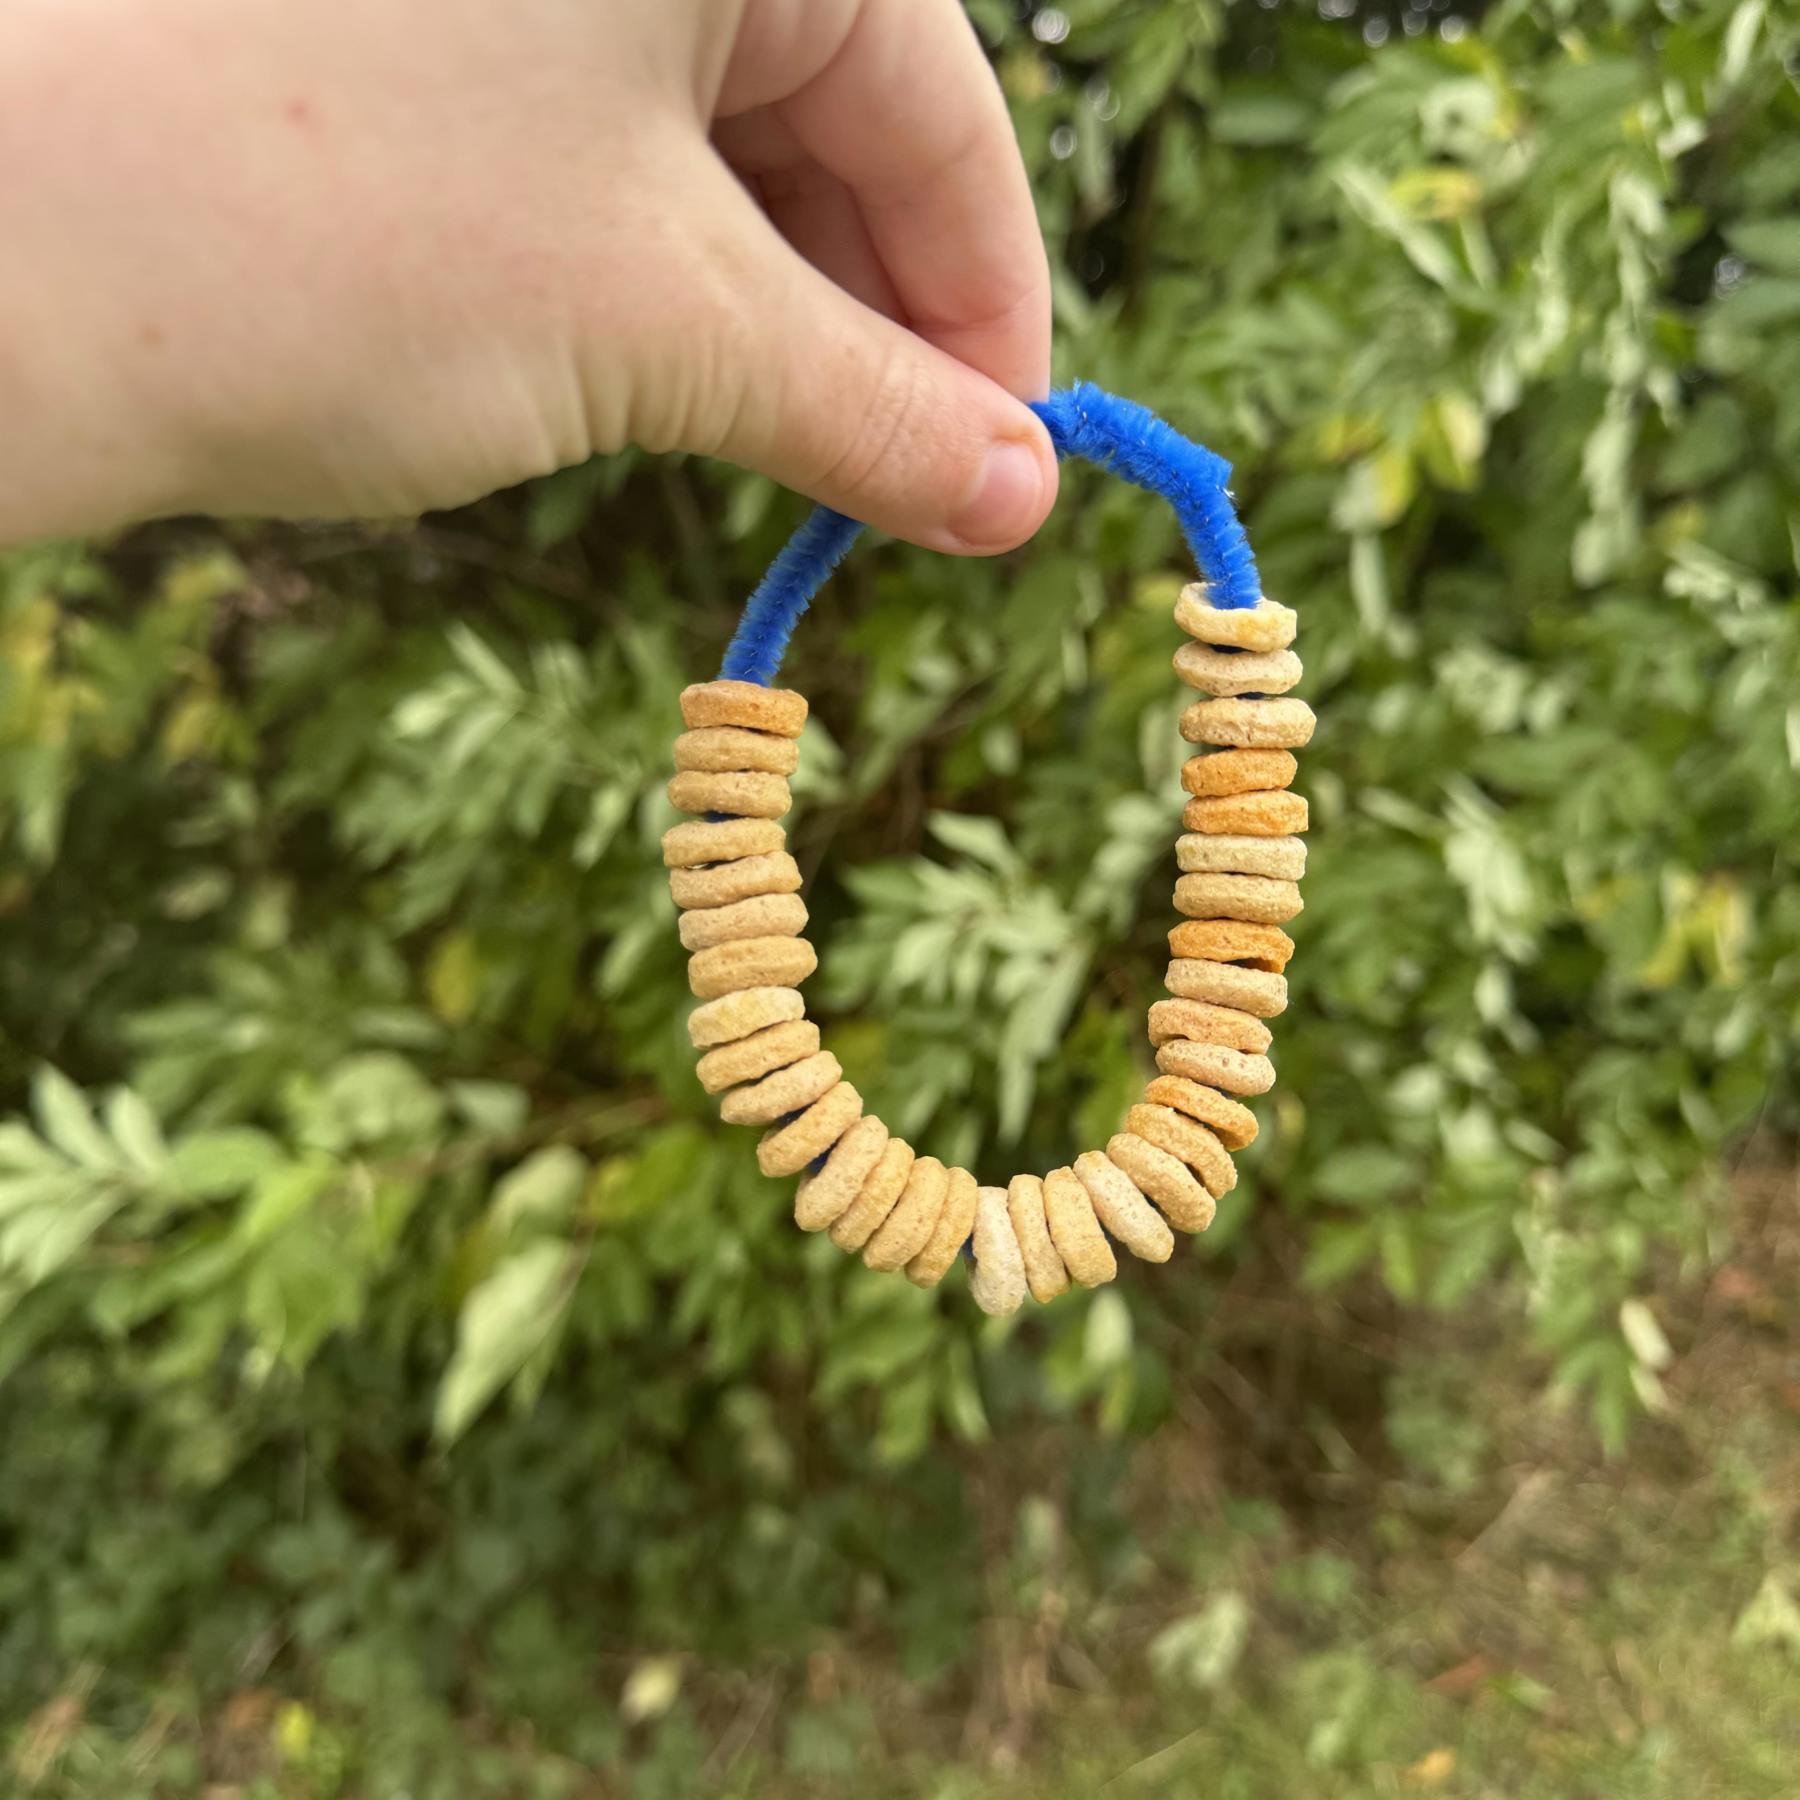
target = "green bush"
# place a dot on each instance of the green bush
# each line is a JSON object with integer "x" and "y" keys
{"x": 373, "y": 1272}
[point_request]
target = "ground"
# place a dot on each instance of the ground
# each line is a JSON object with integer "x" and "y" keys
{"x": 1445, "y": 1589}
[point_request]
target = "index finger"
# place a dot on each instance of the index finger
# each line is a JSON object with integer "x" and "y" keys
{"x": 907, "y": 114}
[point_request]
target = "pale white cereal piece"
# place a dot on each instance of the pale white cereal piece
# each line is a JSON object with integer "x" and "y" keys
{"x": 998, "y": 1278}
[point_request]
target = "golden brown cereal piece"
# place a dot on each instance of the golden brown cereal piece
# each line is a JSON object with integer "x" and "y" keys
{"x": 1166, "y": 1179}
{"x": 1238, "y": 772}
{"x": 724, "y": 884}
{"x": 1208, "y": 1025}
{"x": 1268, "y": 625}
{"x": 763, "y": 915}
{"x": 788, "y": 1090}
{"x": 1231, "y": 672}
{"x": 725, "y": 749}
{"x": 825, "y": 1193}
{"x": 949, "y": 1234}
{"x": 1044, "y": 1271}
{"x": 877, "y": 1197}
{"x": 741, "y": 796}
{"x": 908, "y": 1227}
{"x": 1075, "y": 1230}
{"x": 1187, "y": 1139}
{"x": 997, "y": 1280}
{"x": 1268, "y": 815}
{"x": 1253, "y": 898}
{"x": 1233, "y": 1123}
{"x": 1122, "y": 1209}
{"x": 750, "y": 1058}
{"x": 720, "y": 840}
{"x": 1216, "y": 1066}
{"x": 748, "y": 963}
{"x": 744, "y": 703}
{"x": 1227, "y": 984}
{"x": 1231, "y": 940}
{"x": 789, "y": 1148}
{"x": 1226, "y": 853}
{"x": 739, "y": 1013}
{"x": 1249, "y": 724}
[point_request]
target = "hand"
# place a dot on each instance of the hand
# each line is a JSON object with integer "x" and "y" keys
{"x": 368, "y": 257}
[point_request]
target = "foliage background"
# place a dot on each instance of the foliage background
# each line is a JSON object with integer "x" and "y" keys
{"x": 407, "y": 1387}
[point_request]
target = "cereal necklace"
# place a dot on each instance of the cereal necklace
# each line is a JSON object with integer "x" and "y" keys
{"x": 1240, "y": 861}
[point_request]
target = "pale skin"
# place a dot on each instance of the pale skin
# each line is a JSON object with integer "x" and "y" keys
{"x": 363, "y": 258}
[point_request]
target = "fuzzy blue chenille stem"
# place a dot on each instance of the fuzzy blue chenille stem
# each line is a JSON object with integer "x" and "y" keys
{"x": 802, "y": 568}
{"x": 1083, "y": 420}
{"x": 1129, "y": 440}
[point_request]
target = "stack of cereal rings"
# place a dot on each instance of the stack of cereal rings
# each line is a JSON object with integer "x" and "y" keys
{"x": 1240, "y": 857}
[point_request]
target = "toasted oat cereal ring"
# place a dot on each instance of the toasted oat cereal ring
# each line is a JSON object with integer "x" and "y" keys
{"x": 1268, "y": 625}
{"x": 949, "y": 1234}
{"x": 741, "y": 1012}
{"x": 1208, "y": 1025}
{"x": 1044, "y": 1271}
{"x": 909, "y": 1224}
{"x": 1165, "y": 1179}
{"x": 1269, "y": 815}
{"x": 1229, "y": 1070}
{"x": 1188, "y": 1140}
{"x": 1227, "y": 853}
{"x": 741, "y": 796}
{"x": 997, "y": 1280}
{"x": 763, "y": 915}
{"x": 1122, "y": 1209}
{"x": 746, "y": 704}
{"x": 876, "y": 1198}
{"x": 720, "y": 840}
{"x": 1254, "y": 899}
{"x": 1075, "y": 1230}
{"x": 724, "y": 884}
{"x": 1227, "y": 984}
{"x": 1249, "y": 724}
{"x": 825, "y": 1193}
{"x": 750, "y": 962}
{"x": 728, "y": 749}
{"x": 788, "y": 1148}
{"x": 788, "y": 1090}
{"x": 1238, "y": 772}
{"x": 1232, "y": 1122}
{"x": 1232, "y": 940}
{"x": 750, "y": 1058}
{"x": 1224, "y": 673}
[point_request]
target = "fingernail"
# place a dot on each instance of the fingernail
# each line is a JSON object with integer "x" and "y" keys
{"x": 1008, "y": 499}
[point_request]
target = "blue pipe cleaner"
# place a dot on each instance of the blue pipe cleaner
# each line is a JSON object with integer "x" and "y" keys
{"x": 1117, "y": 435}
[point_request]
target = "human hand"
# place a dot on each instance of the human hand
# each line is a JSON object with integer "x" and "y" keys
{"x": 369, "y": 257}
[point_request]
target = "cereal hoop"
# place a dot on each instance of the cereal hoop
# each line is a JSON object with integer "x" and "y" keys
{"x": 1240, "y": 858}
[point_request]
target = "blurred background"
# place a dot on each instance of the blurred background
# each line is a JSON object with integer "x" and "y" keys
{"x": 407, "y": 1388}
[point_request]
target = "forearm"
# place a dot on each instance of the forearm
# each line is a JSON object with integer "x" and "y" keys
{"x": 86, "y": 402}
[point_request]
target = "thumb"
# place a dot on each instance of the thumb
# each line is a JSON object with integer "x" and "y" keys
{"x": 832, "y": 398}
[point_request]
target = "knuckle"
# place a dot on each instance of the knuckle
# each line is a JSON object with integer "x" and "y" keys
{"x": 877, "y": 432}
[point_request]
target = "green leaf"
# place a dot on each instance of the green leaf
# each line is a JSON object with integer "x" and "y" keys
{"x": 64, "y": 1117}
{"x": 482, "y": 662}
{"x": 134, "y": 1128}
{"x": 502, "y": 1322}
{"x": 1774, "y": 243}
{"x": 978, "y": 837}
{"x": 212, "y": 1165}
{"x": 1106, "y": 1339}
{"x": 1201, "y": 1650}
{"x": 542, "y": 1190}
{"x": 21, "y": 1148}
{"x": 1259, "y": 114}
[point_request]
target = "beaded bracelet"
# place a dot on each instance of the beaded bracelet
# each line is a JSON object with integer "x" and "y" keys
{"x": 1240, "y": 860}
